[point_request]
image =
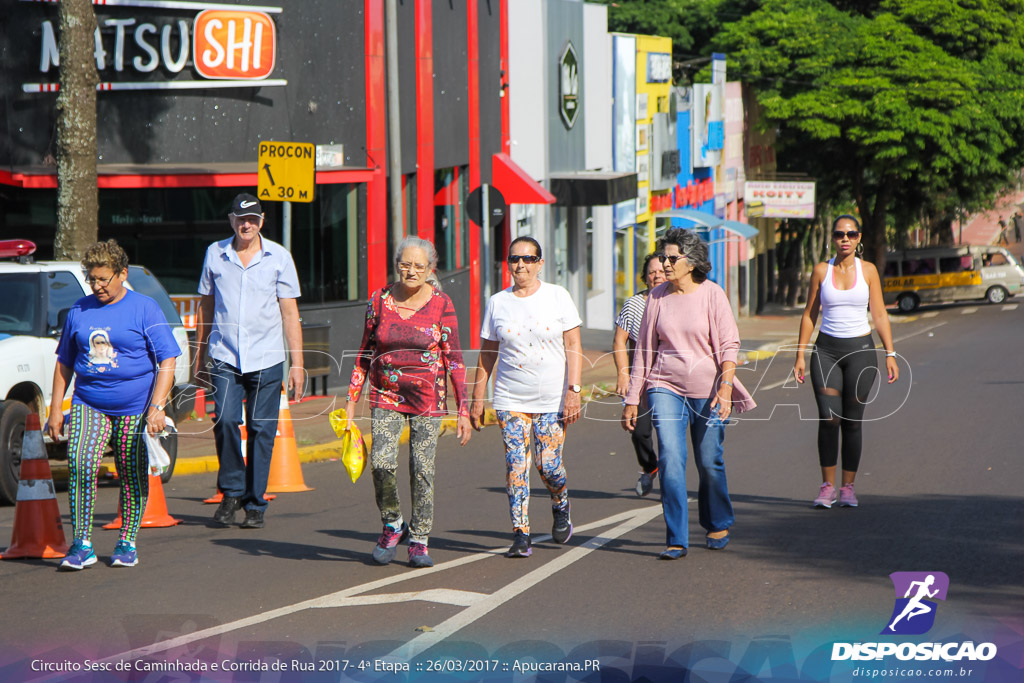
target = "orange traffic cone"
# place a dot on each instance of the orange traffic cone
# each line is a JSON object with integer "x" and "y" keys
{"x": 156, "y": 514}
{"x": 219, "y": 496}
{"x": 285, "y": 471}
{"x": 38, "y": 531}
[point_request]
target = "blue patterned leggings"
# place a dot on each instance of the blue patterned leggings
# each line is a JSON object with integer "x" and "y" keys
{"x": 88, "y": 435}
{"x": 550, "y": 436}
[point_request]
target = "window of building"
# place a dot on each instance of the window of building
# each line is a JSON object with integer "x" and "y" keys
{"x": 451, "y": 230}
{"x": 325, "y": 238}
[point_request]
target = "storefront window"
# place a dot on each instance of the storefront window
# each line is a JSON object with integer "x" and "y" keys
{"x": 324, "y": 244}
{"x": 451, "y": 234}
{"x": 169, "y": 230}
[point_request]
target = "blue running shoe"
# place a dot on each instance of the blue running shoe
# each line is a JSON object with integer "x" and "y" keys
{"x": 387, "y": 544}
{"x": 124, "y": 555}
{"x": 79, "y": 556}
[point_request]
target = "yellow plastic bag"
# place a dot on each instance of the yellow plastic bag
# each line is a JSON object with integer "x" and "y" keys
{"x": 353, "y": 449}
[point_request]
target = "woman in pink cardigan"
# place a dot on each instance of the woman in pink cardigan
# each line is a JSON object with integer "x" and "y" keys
{"x": 685, "y": 361}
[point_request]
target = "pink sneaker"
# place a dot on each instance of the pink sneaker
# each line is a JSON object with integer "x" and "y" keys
{"x": 846, "y": 497}
{"x": 826, "y": 496}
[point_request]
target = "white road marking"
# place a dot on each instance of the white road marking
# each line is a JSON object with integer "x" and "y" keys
{"x": 968, "y": 311}
{"x": 929, "y": 314}
{"x": 631, "y": 519}
{"x": 1010, "y": 307}
{"x": 450, "y": 626}
{"x": 789, "y": 377}
{"x": 445, "y": 596}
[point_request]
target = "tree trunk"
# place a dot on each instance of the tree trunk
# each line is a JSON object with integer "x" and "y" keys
{"x": 77, "y": 198}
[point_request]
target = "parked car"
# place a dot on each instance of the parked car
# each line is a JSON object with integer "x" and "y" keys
{"x": 36, "y": 297}
{"x": 916, "y": 276}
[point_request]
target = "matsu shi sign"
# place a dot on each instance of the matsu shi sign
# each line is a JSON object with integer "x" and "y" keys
{"x": 232, "y": 46}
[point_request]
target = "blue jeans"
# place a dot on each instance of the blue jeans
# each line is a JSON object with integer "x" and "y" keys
{"x": 261, "y": 389}
{"x": 672, "y": 414}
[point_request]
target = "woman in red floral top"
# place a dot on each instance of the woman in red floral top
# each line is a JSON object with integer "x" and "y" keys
{"x": 410, "y": 347}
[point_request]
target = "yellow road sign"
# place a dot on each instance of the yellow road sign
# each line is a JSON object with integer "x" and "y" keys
{"x": 287, "y": 171}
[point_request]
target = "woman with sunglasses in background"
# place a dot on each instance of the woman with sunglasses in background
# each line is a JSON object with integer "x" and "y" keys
{"x": 410, "y": 347}
{"x": 627, "y": 331}
{"x": 843, "y": 362}
{"x": 685, "y": 362}
{"x": 531, "y": 330}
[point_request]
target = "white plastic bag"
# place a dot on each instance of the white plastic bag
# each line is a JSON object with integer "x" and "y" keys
{"x": 159, "y": 461}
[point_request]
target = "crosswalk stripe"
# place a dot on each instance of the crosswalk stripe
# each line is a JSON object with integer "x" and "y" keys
{"x": 968, "y": 311}
{"x": 1010, "y": 307}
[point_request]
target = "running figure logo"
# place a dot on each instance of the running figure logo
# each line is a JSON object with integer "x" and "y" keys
{"x": 914, "y": 611}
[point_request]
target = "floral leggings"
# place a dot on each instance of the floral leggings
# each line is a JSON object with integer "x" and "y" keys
{"x": 386, "y": 428}
{"x": 88, "y": 435}
{"x": 550, "y": 436}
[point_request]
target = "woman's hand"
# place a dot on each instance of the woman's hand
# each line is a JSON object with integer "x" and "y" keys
{"x": 798, "y": 368}
{"x": 571, "y": 412}
{"x": 622, "y": 383}
{"x": 723, "y": 399}
{"x": 629, "y": 417}
{"x": 476, "y": 414}
{"x": 55, "y": 425}
{"x": 350, "y": 409}
{"x": 463, "y": 430}
{"x": 156, "y": 421}
{"x": 892, "y": 368}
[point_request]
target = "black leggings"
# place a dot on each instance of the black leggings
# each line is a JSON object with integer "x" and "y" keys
{"x": 842, "y": 374}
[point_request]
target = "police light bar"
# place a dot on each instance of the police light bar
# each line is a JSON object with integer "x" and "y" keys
{"x": 16, "y": 248}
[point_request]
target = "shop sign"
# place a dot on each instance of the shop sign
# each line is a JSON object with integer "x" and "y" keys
{"x": 661, "y": 201}
{"x": 287, "y": 171}
{"x": 568, "y": 85}
{"x": 230, "y": 46}
{"x": 659, "y": 67}
{"x": 694, "y": 194}
{"x": 778, "y": 199}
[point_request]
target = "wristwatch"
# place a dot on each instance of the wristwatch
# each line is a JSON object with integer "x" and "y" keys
{"x": 575, "y": 388}
{"x": 159, "y": 406}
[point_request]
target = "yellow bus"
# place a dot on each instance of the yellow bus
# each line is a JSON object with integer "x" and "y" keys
{"x": 933, "y": 274}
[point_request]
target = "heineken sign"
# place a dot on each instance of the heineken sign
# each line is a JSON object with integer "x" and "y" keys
{"x": 568, "y": 85}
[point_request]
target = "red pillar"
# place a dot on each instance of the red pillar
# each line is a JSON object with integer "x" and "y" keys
{"x": 506, "y": 144}
{"x": 376, "y": 148}
{"x": 475, "y": 272}
{"x": 425, "y": 119}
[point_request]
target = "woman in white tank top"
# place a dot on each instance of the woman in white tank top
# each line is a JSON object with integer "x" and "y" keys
{"x": 844, "y": 362}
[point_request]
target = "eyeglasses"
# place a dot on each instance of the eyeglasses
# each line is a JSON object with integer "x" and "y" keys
{"x": 671, "y": 260}
{"x": 93, "y": 281}
{"x": 414, "y": 267}
{"x": 525, "y": 258}
{"x": 850, "y": 234}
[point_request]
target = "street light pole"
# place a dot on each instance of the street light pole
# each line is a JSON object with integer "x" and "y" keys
{"x": 394, "y": 122}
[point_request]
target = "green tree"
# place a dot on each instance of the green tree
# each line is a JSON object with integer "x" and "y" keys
{"x": 896, "y": 111}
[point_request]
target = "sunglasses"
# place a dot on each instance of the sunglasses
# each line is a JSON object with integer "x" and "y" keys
{"x": 850, "y": 234}
{"x": 526, "y": 258}
{"x": 671, "y": 260}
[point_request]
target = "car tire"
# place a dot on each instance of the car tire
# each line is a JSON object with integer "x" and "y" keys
{"x": 12, "y": 433}
{"x": 171, "y": 446}
{"x": 907, "y": 302}
{"x": 996, "y": 295}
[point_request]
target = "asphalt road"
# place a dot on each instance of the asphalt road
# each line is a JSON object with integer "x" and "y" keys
{"x": 939, "y": 489}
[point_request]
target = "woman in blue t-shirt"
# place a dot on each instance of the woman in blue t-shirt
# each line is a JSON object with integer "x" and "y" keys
{"x": 120, "y": 349}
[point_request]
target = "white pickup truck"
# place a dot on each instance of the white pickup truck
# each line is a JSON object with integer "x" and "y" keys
{"x": 34, "y": 300}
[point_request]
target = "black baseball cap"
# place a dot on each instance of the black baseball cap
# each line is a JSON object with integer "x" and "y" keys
{"x": 246, "y": 205}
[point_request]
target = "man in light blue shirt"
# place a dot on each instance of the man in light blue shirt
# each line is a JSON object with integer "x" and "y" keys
{"x": 248, "y": 317}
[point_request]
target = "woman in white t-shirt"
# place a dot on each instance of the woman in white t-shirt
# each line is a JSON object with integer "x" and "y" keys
{"x": 531, "y": 332}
